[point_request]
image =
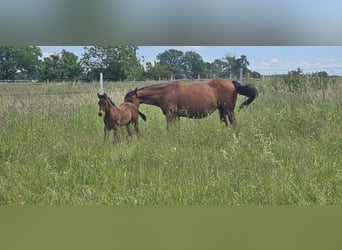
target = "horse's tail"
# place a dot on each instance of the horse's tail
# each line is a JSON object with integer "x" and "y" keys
{"x": 247, "y": 90}
{"x": 142, "y": 116}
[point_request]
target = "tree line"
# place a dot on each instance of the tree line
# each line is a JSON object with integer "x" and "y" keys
{"x": 117, "y": 63}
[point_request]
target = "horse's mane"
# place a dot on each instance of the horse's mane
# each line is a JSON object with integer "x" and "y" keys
{"x": 111, "y": 101}
{"x": 158, "y": 85}
{"x": 107, "y": 97}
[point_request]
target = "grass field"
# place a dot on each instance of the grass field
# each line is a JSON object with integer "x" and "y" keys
{"x": 286, "y": 149}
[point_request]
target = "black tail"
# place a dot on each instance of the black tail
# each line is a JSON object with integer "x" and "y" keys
{"x": 142, "y": 116}
{"x": 247, "y": 90}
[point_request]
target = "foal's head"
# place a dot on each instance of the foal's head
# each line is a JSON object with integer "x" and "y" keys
{"x": 103, "y": 103}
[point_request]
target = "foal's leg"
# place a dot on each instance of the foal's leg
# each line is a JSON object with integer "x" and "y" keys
{"x": 128, "y": 129}
{"x": 136, "y": 128}
{"x": 106, "y": 133}
{"x": 116, "y": 128}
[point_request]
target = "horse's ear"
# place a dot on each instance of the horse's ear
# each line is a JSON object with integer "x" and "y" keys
{"x": 98, "y": 95}
{"x": 105, "y": 95}
{"x": 135, "y": 90}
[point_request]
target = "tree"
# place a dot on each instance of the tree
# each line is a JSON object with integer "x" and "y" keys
{"x": 235, "y": 64}
{"x": 8, "y": 64}
{"x": 254, "y": 74}
{"x": 51, "y": 68}
{"x": 193, "y": 64}
{"x": 21, "y": 60}
{"x": 71, "y": 69}
{"x": 157, "y": 71}
{"x": 219, "y": 68}
{"x": 232, "y": 65}
{"x": 172, "y": 59}
{"x": 62, "y": 66}
{"x": 242, "y": 63}
{"x": 115, "y": 62}
{"x": 322, "y": 74}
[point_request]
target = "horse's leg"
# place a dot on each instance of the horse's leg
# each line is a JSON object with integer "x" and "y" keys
{"x": 116, "y": 128}
{"x": 223, "y": 117}
{"x": 128, "y": 129}
{"x": 106, "y": 133}
{"x": 231, "y": 117}
{"x": 170, "y": 120}
{"x": 136, "y": 127}
{"x": 170, "y": 116}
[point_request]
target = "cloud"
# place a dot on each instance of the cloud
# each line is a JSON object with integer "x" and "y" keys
{"x": 270, "y": 63}
{"x": 194, "y": 48}
{"x": 305, "y": 64}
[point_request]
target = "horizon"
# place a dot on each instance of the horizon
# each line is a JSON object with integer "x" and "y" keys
{"x": 266, "y": 60}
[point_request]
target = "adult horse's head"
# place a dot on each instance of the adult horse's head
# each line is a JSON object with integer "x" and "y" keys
{"x": 103, "y": 103}
{"x": 132, "y": 96}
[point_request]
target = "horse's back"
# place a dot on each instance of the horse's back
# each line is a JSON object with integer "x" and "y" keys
{"x": 217, "y": 88}
{"x": 221, "y": 84}
{"x": 128, "y": 112}
{"x": 224, "y": 90}
{"x": 128, "y": 105}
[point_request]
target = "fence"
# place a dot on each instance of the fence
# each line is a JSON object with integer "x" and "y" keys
{"x": 156, "y": 79}
{"x": 18, "y": 81}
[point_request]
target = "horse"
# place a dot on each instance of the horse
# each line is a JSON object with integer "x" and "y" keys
{"x": 196, "y": 100}
{"x": 116, "y": 116}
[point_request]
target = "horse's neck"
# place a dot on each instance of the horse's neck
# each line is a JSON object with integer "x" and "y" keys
{"x": 112, "y": 107}
{"x": 150, "y": 96}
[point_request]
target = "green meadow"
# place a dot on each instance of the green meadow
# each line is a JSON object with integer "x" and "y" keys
{"x": 285, "y": 150}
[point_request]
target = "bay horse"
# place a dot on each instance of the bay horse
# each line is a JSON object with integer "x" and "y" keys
{"x": 196, "y": 100}
{"x": 116, "y": 116}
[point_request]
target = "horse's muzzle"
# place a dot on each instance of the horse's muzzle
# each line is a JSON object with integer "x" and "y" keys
{"x": 100, "y": 113}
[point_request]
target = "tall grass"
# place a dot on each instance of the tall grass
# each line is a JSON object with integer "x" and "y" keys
{"x": 286, "y": 149}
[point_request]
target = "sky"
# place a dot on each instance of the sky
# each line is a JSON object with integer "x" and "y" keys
{"x": 266, "y": 60}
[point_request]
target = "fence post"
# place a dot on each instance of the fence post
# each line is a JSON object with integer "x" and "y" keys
{"x": 101, "y": 83}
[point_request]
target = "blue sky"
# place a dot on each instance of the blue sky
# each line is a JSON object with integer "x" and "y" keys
{"x": 263, "y": 59}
